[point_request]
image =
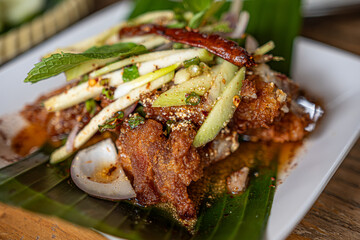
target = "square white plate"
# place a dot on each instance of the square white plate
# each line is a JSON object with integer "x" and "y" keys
{"x": 324, "y": 71}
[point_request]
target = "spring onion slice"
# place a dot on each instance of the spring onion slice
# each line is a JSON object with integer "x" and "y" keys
{"x": 149, "y": 42}
{"x": 163, "y": 58}
{"x": 92, "y": 127}
{"x": 125, "y": 88}
{"x": 132, "y": 60}
{"x": 267, "y": 47}
{"x": 83, "y": 92}
{"x": 222, "y": 111}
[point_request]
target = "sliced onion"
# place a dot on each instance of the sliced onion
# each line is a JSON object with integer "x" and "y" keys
{"x": 129, "y": 109}
{"x": 71, "y": 138}
{"x": 251, "y": 44}
{"x": 95, "y": 171}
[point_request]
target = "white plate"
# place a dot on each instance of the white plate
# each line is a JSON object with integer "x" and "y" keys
{"x": 326, "y": 72}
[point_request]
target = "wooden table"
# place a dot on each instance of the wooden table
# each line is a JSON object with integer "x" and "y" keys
{"x": 335, "y": 215}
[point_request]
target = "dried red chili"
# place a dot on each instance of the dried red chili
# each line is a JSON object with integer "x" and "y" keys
{"x": 226, "y": 49}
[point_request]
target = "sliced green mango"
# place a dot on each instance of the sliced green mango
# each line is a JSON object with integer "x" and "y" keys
{"x": 222, "y": 111}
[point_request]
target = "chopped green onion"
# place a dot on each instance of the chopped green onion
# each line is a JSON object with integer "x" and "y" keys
{"x": 90, "y": 106}
{"x": 104, "y": 82}
{"x": 109, "y": 94}
{"x": 140, "y": 110}
{"x": 192, "y": 99}
{"x": 130, "y": 73}
{"x": 193, "y": 61}
{"x": 136, "y": 120}
{"x": 168, "y": 126}
{"x": 267, "y": 47}
{"x": 113, "y": 122}
{"x": 178, "y": 46}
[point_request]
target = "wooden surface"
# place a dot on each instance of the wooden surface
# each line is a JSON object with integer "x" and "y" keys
{"x": 335, "y": 215}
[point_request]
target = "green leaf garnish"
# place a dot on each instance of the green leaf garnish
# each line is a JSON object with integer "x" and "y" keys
{"x": 90, "y": 106}
{"x": 196, "y": 20}
{"x": 193, "y": 61}
{"x": 136, "y": 120}
{"x": 130, "y": 73}
{"x": 108, "y": 93}
{"x": 113, "y": 122}
{"x": 60, "y": 62}
{"x": 193, "y": 99}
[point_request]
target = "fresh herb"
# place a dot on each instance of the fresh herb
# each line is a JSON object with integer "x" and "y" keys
{"x": 178, "y": 46}
{"x": 140, "y": 110}
{"x": 90, "y": 106}
{"x": 130, "y": 73}
{"x": 193, "y": 61}
{"x": 222, "y": 27}
{"x": 193, "y": 99}
{"x": 176, "y": 25}
{"x": 168, "y": 126}
{"x": 104, "y": 82}
{"x": 60, "y": 62}
{"x": 136, "y": 120}
{"x": 202, "y": 16}
{"x": 113, "y": 122}
{"x": 179, "y": 14}
{"x": 196, "y": 20}
{"x": 108, "y": 93}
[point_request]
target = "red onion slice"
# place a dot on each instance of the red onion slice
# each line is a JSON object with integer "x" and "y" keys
{"x": 95, "y": 170}
{"x": 71, "y": 138}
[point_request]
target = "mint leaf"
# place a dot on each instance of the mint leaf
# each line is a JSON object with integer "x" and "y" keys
{"x": 130, "y": 73}
{"x": 60, "y": 62}
{"x": 195, "y": 21}
{"x": 116, "y": 50}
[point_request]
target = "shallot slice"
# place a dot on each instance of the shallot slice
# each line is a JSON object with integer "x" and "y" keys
{"x": 96, "y": 171}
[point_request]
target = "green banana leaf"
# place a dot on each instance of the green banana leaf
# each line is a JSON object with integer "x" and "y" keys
{"x": 35, "y": 185}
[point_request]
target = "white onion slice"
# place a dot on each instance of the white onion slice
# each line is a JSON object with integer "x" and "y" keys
{"x": 95, "y": 171}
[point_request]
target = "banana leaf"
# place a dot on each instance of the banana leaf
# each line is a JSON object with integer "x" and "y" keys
{"x": 35, "y": 185}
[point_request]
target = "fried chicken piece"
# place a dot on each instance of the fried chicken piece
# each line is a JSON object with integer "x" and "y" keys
{"x": 161, "y": 168}
{"x": 260, "y": 111}
{"x": 58, "y": 123}
{"x": 290, "y": 128}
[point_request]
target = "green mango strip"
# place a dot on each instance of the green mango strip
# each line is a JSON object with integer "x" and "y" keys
{"x": 222, "y": 111}
{"x": 176, "y": 96}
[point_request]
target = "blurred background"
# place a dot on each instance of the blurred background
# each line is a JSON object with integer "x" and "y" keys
{"x": 27, "y": 23}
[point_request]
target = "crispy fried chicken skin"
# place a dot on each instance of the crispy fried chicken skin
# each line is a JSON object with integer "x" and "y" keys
{"x": 161, "y": 167}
